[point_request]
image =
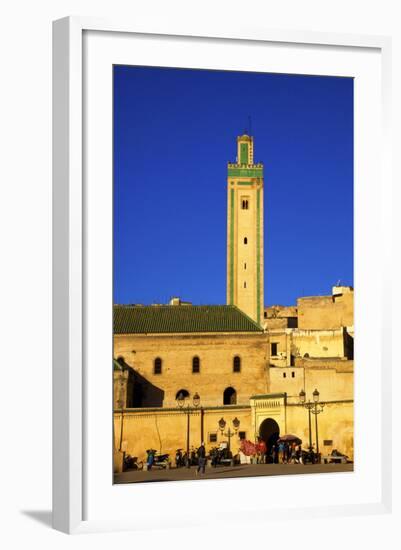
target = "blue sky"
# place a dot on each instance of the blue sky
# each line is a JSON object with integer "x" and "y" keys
{"x": 174, "y": 132}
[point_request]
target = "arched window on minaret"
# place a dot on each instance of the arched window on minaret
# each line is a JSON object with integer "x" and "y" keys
{"x": 245, "y": 240}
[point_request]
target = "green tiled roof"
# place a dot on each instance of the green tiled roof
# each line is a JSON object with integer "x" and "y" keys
{"x": 181, "y": 319}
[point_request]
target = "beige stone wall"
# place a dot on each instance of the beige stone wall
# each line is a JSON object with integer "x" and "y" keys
{"x": 290, "y": 380}
{"x": 281, "y": 311}
{"x": 334, "y": 382}
{"x": 275, "y": 323}
{"x": 283, "y": 341}
{"x": 280, "y": 317}
{"x": 327, "y": 312}
{"x": 166, "y": 430}
{"x": 121, "y": 388}
{"x": 319, "y": 343}
{"x": 309, "y": 343}
{"x": 335, "y": 423}
{"x": 216, "y": 353}
{"x": 331, "y": 383}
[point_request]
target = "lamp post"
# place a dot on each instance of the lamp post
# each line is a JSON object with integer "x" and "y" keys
{"x": 229, "y": 433}
{"x": 315, "y": 407}
{"x": 181, "y": 402}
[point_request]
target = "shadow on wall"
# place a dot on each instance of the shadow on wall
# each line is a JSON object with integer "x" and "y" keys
{"x": 348, "y": 345}
{"x": 146, "y": 394}
{"x": 141, "y": 392}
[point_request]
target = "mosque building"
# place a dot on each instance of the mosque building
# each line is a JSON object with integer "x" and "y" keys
{"x": 242, "y": 362}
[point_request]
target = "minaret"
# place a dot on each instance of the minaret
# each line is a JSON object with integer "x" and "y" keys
{"x": 245, "y": 232}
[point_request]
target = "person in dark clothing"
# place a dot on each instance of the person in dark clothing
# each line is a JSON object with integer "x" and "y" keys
{"x": 201, "y": 459}
{"x": 275, "y": 453}
{"x": 151, "y": 458}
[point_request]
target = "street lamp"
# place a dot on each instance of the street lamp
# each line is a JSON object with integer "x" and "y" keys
{"x": 315, "y": 407}
{"x": 229, "y": 433}
{"x": 188, "y": 408}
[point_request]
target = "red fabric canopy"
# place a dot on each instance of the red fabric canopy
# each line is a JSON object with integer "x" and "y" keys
{"x": 251, "y": 449}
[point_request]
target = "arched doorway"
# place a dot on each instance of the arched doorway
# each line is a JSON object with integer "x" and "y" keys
{"x": 269, "y": 431}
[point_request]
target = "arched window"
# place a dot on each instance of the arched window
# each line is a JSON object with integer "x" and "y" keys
{"x": 184, "y": 394}
{"x": 245, "y": 204}
{"x": 195, "y": 364}
{"x": 229, "y": 396}
{"x": 157, "y": 367}
{"x": 237, "y": 364}
{"x": 245, "y": 240}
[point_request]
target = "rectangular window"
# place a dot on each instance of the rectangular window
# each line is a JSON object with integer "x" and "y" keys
{"x": 242, "y": 435}
{"x": 273, "y": 349}
{"x": 213, "y": 437}
{"x": 327, "y": 442}
{"x": 265, "y": 314}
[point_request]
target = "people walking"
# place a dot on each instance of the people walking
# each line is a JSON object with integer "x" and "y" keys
{"x": 281, "y": 452}
{"x": 298, "y": 454}
{"x": 151, "y": 458}
{"x": 201, "y": 459}
{"x": 275, "y": 453}
{"x": 291, "y": 453}
{"x": 262, "y": 451}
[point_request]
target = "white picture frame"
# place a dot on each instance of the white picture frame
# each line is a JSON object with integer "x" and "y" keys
{"x": 70, "y": 258}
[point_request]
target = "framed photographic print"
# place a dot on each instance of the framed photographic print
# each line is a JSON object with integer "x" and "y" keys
{"x": 209, "y": 381}
{"x": 214, "y": 195}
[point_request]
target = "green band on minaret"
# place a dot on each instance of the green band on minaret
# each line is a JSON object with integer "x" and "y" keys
{"x": 232, "y": 195}
{"x": 258, "y": 255}
{"x": 245, "y": 172}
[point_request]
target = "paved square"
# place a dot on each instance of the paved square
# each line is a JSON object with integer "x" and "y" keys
{"x": 249, "y": 470}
